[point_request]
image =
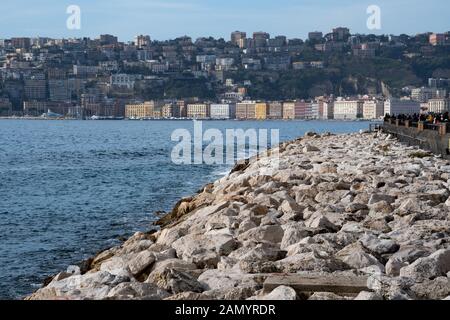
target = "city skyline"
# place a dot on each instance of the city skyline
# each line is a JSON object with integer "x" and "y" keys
{"x": 197, "y": 18}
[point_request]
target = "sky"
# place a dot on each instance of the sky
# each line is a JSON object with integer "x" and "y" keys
{"x": 168, "y": 19}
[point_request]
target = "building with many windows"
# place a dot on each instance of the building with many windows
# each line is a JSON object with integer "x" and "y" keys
{"x": 275, "y": 110}
{"x": 223, "y": 111}
{"x": 373, "y": 109}
{"x": 198, "y": 111}
{"x": 396, "y": 106}
{"x": 139, "y": 110}
{"x": 246, "y": 110}
{"x": 348, "y": 109}
{"x": 438, "y": 105}
{"x": 261, "y": 110}
{"x": 288, "y": 110}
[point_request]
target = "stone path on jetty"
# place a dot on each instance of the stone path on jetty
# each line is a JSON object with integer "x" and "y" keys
{"x": 356, "y": 216}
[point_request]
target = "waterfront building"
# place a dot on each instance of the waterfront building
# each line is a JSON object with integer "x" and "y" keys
{"x": 275, "y": 110}
{"x": 312, "y": 110}
{"x": 396, "y": 106}
{"x": 140, "y": 110}
{"x": 223, "y": 111}
{"x": 288, "y": 110}
{"x": 198, "y": 111}
{"x": 328, "y": 110}
{"x": 438, "y": 105}
{"x": 373, "y": 109}
{"x": 300, "y": 110}
{"x": 348, "y": 109}
{"x": 167, "y": 110}
{"x": 246, "y": 110}
{"x": 261, "y": 110}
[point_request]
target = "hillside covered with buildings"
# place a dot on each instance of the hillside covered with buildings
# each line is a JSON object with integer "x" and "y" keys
{"x": 338, "y": 75}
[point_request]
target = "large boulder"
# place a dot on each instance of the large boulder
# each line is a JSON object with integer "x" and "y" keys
{"x": 435, "y": 265}
{"x": 268, "y": 233}
{"x": 204, "y": 250}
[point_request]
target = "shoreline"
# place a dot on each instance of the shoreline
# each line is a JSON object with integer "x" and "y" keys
{"x": 338, "y": 206}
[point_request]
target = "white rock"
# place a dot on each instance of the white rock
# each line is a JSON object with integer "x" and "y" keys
{"x": 281, "y": 293}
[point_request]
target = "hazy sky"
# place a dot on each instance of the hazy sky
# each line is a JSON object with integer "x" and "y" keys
{"x": 164, "y": 19}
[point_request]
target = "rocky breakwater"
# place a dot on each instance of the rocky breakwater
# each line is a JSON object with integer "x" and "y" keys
{"x": 338, "y": 207}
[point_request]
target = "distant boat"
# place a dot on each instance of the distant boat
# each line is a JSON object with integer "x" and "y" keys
{"x": 51, "y": 114}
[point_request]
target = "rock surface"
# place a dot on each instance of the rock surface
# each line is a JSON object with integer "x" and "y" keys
{"x": 356, "y": 203}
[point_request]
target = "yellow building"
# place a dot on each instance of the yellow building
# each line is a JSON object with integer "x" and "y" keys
{"x": 139, "y": 111}
{"x": 197, "y": 111}
{"x": 261, "y": 110}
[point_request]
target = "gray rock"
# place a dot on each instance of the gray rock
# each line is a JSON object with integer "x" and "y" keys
{"x": 375, "y": 198}
{"x": 176, "y": 281}
{"x": 309, "y": 148}
{"x": 270, "y": 233}
{"x": 379, "y": 246}
{"x": 214, "y": 279}
{"x": 294, "y": 233}
{"x": 321, "y": 222}
{"x": 393, "y": 266}
{"x": 365, "y": 295}
{"x": 435, "y": 265}
{"x": 141, "y": 262}
{"x": 136, "y": 290}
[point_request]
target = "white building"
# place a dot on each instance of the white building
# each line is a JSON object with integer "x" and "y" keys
{"x": 395, "y": 107}
{"x": 123, "y": 80}
{"x": 348, "y": 109}
{"x": 223, "y": 111}
{"x": 438, "y": 105}
{"x": 373, "y": 109}
{"x": 224, "y": 63}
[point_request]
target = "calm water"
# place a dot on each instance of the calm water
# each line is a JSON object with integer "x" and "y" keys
{"x": 71, "y": 188}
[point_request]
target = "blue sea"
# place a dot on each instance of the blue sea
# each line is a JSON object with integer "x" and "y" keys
{"x": 69, "y": 189}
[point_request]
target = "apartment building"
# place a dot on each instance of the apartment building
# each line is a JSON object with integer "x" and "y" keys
{"x": 261, "y": 110}
{"x": 348, "y": 109}
{"x": 223, "y": 111}
{"x": 289, "y": 110}
{"x": 246, "y": 110}
{"x": 275, "y": 110}
{"x": 438, "y": 105}
{"x": 198, "y": 111}
{"x": 373, "y": 109}
{"x": 395, "y": 106}
{"x": 140, "y": 110}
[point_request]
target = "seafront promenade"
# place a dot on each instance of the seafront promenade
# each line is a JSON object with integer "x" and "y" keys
{"x": 331, "y": 217}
